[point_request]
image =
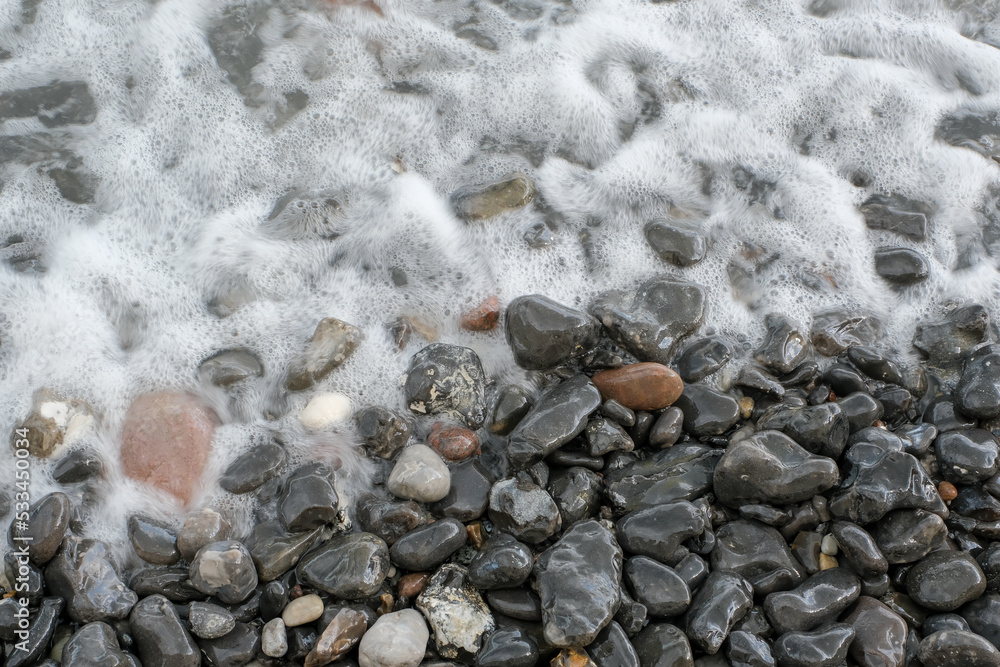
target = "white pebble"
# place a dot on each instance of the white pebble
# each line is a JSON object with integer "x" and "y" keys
{"x": 419, "y": 474}
{"x": 325, "y": 410}
{"x": 398, "y": 639}
{"x": 273, "y": 641}
{"x": 829, "y": 545}
{"x": 300, "y": 611}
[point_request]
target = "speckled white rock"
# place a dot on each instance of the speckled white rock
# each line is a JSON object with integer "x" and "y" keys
{"x": 210, "y": 621}
{"x": 398, "y": 639}
{"x": 300, "y": 611}
{"x": 456, "y": 612}
{"x": 419, "y": 474}
{"x": 324, "y": 410}
{"x": 273, "y": 641}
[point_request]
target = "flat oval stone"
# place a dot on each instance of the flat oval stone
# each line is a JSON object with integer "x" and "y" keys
{"x": 707, "y": 411}
{"x": 604, "y": 436}
{"x": 543, "y": 333}
{"x": 249, "y": 471}
{"x": 397, "y": 639}
{"x": 225, "y": 570}
{"x": 858, "y": 550}
{"x": 351, "y": 567}
{"x": 906, "y": 536}
{"x": 657, "y": 586}
{"x": 210, "y": 621}
{"x": 77, "y": 466}
{"x": 503, "y": 562}
{"x": 447, "y": 380}
{"x": 957, "y": 647}
{"x": 342, "y": 634}
{"x": 579, "y": 580}
{"x": 227, "y": 367}
{"x": 939, "y": 622}
{"x": 676, "y": 245}
{"x": 331, "y": 344}
{"x": 668, "y": 428}
{"x": 897, "y": 213}
{"x": 152, "y": 542}
{"x": 453, "y": 443}
{"x": 703, "y": 357}
{"x": 722, "y": 600}
{"x": 519, "y": 603}
{"x": 300, "y": 611}
{"x": 160, "y": 636}
{"x": 274, "y": 639}
{"x": 663, "y": 645}
{"x": 643, "y": 386}
{"x": 170, "y": 582}
{"x": 826, "y": 647}
{"x": 426, "y": 547}
{"x": 879, "y": 634}
{"x": 819, "y": 599}
{"x": 658, "y": 531}
{"x": 524, "y": 510}
{"x": 901, "y": 266}
{"x": 967, "y": 456}
{"x": 559, "y": 416}
{"x": 419, "y": 474}
{"x": 47, "y": 522}
{"x": 945, "y": 580}
{"x": 769, "y": 467}
{"x": 860, "y": 409}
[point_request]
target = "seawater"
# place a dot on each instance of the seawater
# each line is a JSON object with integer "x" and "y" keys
{"x": 253, "y": 168}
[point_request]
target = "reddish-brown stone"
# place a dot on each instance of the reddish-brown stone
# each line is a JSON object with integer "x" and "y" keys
{"x": 947, "y": 491}
{"x": 645, "y": 386}
{"x": 410, "y": 585}
{"x": 453, "y": 443}
{"x": 166, "y": 441}
{"x": 483, "y": 317}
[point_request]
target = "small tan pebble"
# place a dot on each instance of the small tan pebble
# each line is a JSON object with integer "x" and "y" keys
{"x": 746, "y": 407}
{"x": 829, "y": 545}
{"x": 300, "y": 611}
{"x": 387, "y": 603}
{"x": 410, "y": 585}
{"x": 475, "y": 531}
{"x": 947, "y": 491}
{"x": 483, "y": 317}
{"x": 571, "y": 657}
{"x": 827, "y": 562}
{"x": 324, "y": 410}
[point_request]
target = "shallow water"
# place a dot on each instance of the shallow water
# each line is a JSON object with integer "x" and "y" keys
{"x": 157, "y": 216}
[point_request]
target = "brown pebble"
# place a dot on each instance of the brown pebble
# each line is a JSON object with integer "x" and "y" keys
{"x": 947, "y": 491}
{"x": 475, "y": 531}
{"x": 827, "y": 562}
{"x": 746, "y": 407}
{"x": 296, "y": 592}
{"x": 879, "y": 423}
{"x": 453, "y": 443}
{"x": 645, "y": 386}
{"x": 411, "y": 584}
{"x": 832, "y": 397}
{"x": 571, "y": 657}
{"x": 340, "y": 636}
{"x": 483, "y": 317}
{"x": 386, "y": 606}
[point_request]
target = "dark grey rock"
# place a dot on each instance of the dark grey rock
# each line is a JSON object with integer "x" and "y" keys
{"x": 308, "y": 499}
{"x": 384, "y": 431}
{"x": 153, "y": 542}
{"x": 989, "y": 561}
{"x": 901, "y": 266}
{"x": 170, "y": 582}
{"x": 692, "y": 569}
{"x": 577, "y": 493}
{"x": 917, "y": 438}
{"x": 877, "y": 481}
{"x": 784, "y": 346}
{"x": 658, "y": 587}
{"x": 906, "y": 536}
{"x": 558, "y": 417}
{"x": 658, "y": 531}
{"x": 967, "y": 456}
{"x": 844, "y": 379}
{"x": 875, "y": 365}
{"x": 945, "y": 415}
{"x": 879, "y": 634}
{"x": 826, "y": 647}
{"x": 939, "y": 622}
{"x": 519, "y": 603}
{"x": 524, "y": 510}
{"x": 945, "y": 580}
{"x": 747, "y": 650}
{"x": 974, "y": 502}
{"x": 759, "y": 554}
{"x": 957, "y": 647}
{"x": 210, "y": 621}
{"x": 765, "y": 514}
{"x": 579, "y": 581}
{"x": 469, "y": 494}
{"x": 833, "y": 331}
{"x": 275, "y": 551}
{"x": 769, "y": 467}
{"x": 249, "y": 471}
{"x": 702, "y": 357}
{"x": 618, "y": 413}
{"x": 503, "y": 562}
{"x": 858, "y": 550}
{"x": 896, "y": 403}
{"x": 821, "y": 429}
{"x": 897, "y": 213}
{"x": 877, "y": 436}
{"x": 389, "y": 519}
{"x": 543, "y": 333}
{"x": 426, "y": 547}
{"x": 674, "y": 244}
{"x": 651, "y": 323}
{"x": 819, "y": 599}
{"x": 604, "y": 436}
{"x": 978, "y": 390}
{"x": 512, "y": 405}
{"x": 722, "y": 600}
{"x": 663, "y": 645}
{"x": 83, "y": 575}
{"x": 631, "y": 615}
{"x": 47, "y": 522}
{"x": 947, "y": 341}
{"x": 94, "y": 644}
{"x": 612, "y": 648}
{"x": 983, "y": 616}
{"x": 331, "y": 344}
{"x": 39, "y": 633}
{"x": 227, "y": 367}
{"x": 756, "y": 381}
{"x": 681, "y": 472}
{"x": 234, "y": 649}
{"x": 225, "y": 570}
{"x": 351, "y": 567}
{"x": 860, "y": 409}
{"x": 977, "y": 130}
{"x": 447, "y": 380}
{"x": 77, "y": 466}
{"x": 667, "y": 429}
{"x": 508, "y": 647}
{"x": 707, "y": 411}
{"x": 159, "y": 635}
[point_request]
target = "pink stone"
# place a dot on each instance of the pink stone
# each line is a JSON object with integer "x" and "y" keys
{"x": 166, "y": 440}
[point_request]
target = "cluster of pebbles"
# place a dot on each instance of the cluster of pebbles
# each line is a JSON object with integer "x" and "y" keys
{"x": 664, "y": 500}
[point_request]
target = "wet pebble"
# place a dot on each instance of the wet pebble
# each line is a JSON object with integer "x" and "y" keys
{"x": 878, "y": 481}
{"x": 945, "y": 580}
{"x": 543, "y": 333}
{"x": 351, "y": 567}
{"x": 667, "y": 429}
{"x": 302, "y": 610}
{"x": 978, "y": 390}
{"x": 273, "y": 639}
{"x": 235, "y": 649}
{"x": 758, "y": 553}
{"x": 663, "y": 645}
{"x": 674, "y": 244}
{"x": 456, "y": 613}
{"x": 339, "y": 637}
{"x": 658, "y": 587}
{"x": 209, "y": 621}
{"x": 201, "y": 527}
{"x": 225, "y": 570}
{"x": 658, "y": 531}
{"x": 524, "y": 510}
{"x": 820, "y": 598}
{"x": 249, "y": 471}
{"x": 503, "y": 562}
{"x": 47, "y": 522}
{"x": 160, "y": 636}
{"x": 447, "y": 380}
{"x": 508, "y": 647}
{"x": 858, "y": 550}
{"x": 308, "y": 499}
{"x": 747, "y": 650}
{"x": 957, "y": 647}
{"x": 426, "y": 547}
{"x": 722, "y": 600}
{"x": 967, "y": 456}
{"x": 331, "y": 344}
{"x": 702, "y": 357}
{"x": 707, "y": 411}
{"x": 558, "y": 417}
{"x": 419, "y": 474}
{"x": 906, "y": 536}
{"x": 469, "y": 494}
{"x": 384, "y": 431}
{"x": 94, "y": 644}
{"x": 83, "y": 574}
{"x": 681, "y": 472}
{"x": 77, "y": 466}
{"x": 275, "y": 551}
{"x": 784, "y": 346}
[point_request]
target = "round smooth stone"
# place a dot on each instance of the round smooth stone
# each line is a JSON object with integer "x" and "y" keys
{"x": 300, "y": 611}
{"x": 419, "y": 474}
{"x": 325, "y": 410}
{"x": 643, "y": 386}
{"x": 398, "y": 639}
